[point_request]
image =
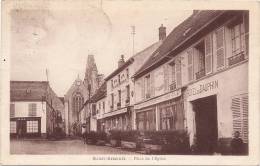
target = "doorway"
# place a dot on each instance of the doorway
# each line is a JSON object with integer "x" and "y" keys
{"x": 206, "y": 124}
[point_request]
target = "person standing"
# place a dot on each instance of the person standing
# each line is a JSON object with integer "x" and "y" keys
{"x": 237, "y": 144}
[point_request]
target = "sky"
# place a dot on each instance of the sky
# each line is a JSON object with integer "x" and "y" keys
{"x": 58, "y": 36}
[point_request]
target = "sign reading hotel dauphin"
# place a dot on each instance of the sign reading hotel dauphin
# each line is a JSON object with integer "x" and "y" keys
{"x": 202, "y": 88}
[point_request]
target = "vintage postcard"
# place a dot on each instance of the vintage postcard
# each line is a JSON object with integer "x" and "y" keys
{"x": 131, "y": 82}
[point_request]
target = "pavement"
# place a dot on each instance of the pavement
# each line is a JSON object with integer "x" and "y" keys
{"x": 41, "y": 146}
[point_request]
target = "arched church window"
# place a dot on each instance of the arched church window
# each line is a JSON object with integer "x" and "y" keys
{"x": 78, "y": 101}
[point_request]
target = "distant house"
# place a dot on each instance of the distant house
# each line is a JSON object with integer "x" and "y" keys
{"x": 35, "y": 109}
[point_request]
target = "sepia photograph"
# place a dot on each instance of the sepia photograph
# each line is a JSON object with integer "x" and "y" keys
{"x": 134, "y": 78}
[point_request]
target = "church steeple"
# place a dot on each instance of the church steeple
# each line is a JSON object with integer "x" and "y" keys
{"x": 91, "y": 74}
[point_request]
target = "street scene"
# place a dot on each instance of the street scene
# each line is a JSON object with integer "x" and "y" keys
{"x": 101, "y": 77}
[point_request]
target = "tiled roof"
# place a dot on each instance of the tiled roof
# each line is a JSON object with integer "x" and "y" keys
{"x": 100, "y": 93}
{"x": 179, "y": 35}
{"x": 27, "y": 90}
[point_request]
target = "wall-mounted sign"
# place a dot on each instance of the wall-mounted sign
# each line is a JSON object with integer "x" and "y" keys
{"x": 201, "y": 88}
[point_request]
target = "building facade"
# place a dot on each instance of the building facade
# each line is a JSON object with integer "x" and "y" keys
{"x": 35, "y": 109}
{"x": 192, "y": 81}
{"x": 78, "y": 94}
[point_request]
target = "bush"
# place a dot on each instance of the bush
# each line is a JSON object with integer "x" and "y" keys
{"x": 130, "y": 136}
{"x": 174, "y": 142}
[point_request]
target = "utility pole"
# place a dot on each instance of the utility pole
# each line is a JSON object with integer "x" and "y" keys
{"x": 133, "y": 33}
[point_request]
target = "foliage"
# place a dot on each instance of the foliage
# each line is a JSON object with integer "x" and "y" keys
{"x": 129, "y": 135}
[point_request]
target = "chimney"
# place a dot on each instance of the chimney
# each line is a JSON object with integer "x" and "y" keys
{"x": 121, "y": 61}
{"x": 162, "y": 32}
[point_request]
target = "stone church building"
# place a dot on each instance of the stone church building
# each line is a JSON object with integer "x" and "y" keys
{"x": 78, "y": 93}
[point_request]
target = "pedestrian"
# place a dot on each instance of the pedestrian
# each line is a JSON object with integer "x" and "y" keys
{"x": 84, "y": 134}
{"x": 237, "y": 144}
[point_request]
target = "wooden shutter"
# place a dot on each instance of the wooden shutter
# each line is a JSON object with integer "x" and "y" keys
{"x": 178, "y": 72}
{"x": 208, "y": 54}
{"x": 143, "y": 87}
{"x": 239, "y": 109}
{"x": 152, "y": 83}
{"x": 166, "y": 77}
{"x": 190, "y": 65}
{"x": 12, "y": 110}
{"x": 220, "y": 48}
{"x": 244, "y": 133}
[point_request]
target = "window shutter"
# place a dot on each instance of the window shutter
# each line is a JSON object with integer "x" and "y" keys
{"x": 143, "y": 87}
{"x": 245, "y": 118}
{"x": 190, "y": 64}
{"x": 152, "y": 84}
{"x": 178, "y": 72}
{"x": 239, "y": 109}
{"x": 208, "y": 54}
{"x": 166, "y": 77}
{"x": 220, "y": 48}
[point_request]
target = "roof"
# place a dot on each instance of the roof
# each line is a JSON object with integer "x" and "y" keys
{"x": 100, "y": 93}
{"x": 178, "y": 36}
{"x": 131, "y": 60}
{"x": 28, "y": 90}
{"x": 118, "y": 70}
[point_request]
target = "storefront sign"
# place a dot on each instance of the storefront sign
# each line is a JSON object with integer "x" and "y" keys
{"x": 159, "y": 99}
{"x": 203, "y": 88}
{"x": 112, "y": 113}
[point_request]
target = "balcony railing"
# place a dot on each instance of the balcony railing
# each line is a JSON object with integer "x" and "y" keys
{"x": 236, "y": 58}
{"x": 173, "y": 86}
{"x": 200, "y": 74}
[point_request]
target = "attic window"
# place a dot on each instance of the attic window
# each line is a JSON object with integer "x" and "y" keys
{"x": 28, "y": 91}
{"x": 186, "y": 31}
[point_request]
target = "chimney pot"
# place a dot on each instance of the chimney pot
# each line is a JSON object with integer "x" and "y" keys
{"x": 162, "y": 32}
{"x": 121, "y": 61}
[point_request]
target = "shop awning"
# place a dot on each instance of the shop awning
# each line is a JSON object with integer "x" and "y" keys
{"x": 113, "y": 113}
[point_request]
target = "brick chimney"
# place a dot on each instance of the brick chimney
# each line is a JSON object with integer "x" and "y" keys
{"x": 162, "y": 32}
{"x": 121, "y": 61}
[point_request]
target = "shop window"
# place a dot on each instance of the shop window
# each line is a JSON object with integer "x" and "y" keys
{"x": 12, "y": 110}
{"x": 32, "y": 109}
{"x": 146, "y": 120}
{"x": 239, "y": 107}
{"x": 32, "y": 126}
{"x": 239, "y": 39}
{"x": 13, "y": 127}
{"x": 147, "y": 86}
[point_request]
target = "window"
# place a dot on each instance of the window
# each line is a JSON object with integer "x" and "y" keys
{"x": 32, "y": 126}
{"x": 119, "y": 99}
{"x": 127, "y": 92}
{"x": 77, "y": 103}
{"x": 112, "y": 84}
{"x": 147, "y": 86}
{"x": 203, "y": 57}
{"x": 146, "y": 120}
{"x": 119, "y": 78}
{"x": 127, "y": 73}
{"x": 239, "y": 107}
{"x": 112, "y": 101}
{"x": 220, "y": 47}
{"x": 12, "y": 126}
{"x": 103, "y": 105}
{"x": 171, "y": 116}
{"x": 172, "y": 75}
{"x": 32, "y": 109}
{"x": 12, "y": 110}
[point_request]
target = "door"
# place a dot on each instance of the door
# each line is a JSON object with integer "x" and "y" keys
{"x": 21, "y": 128}
{"x": 206, "y": 124}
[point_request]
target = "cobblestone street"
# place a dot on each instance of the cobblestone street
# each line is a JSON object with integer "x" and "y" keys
{"x": 60, "y": 147}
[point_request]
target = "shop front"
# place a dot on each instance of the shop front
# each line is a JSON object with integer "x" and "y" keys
{"x": 164, "y": 112}
{"x": 119, "y": 119}
{"x": 25, "y": 127}
{"x": 217, "y": 107}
